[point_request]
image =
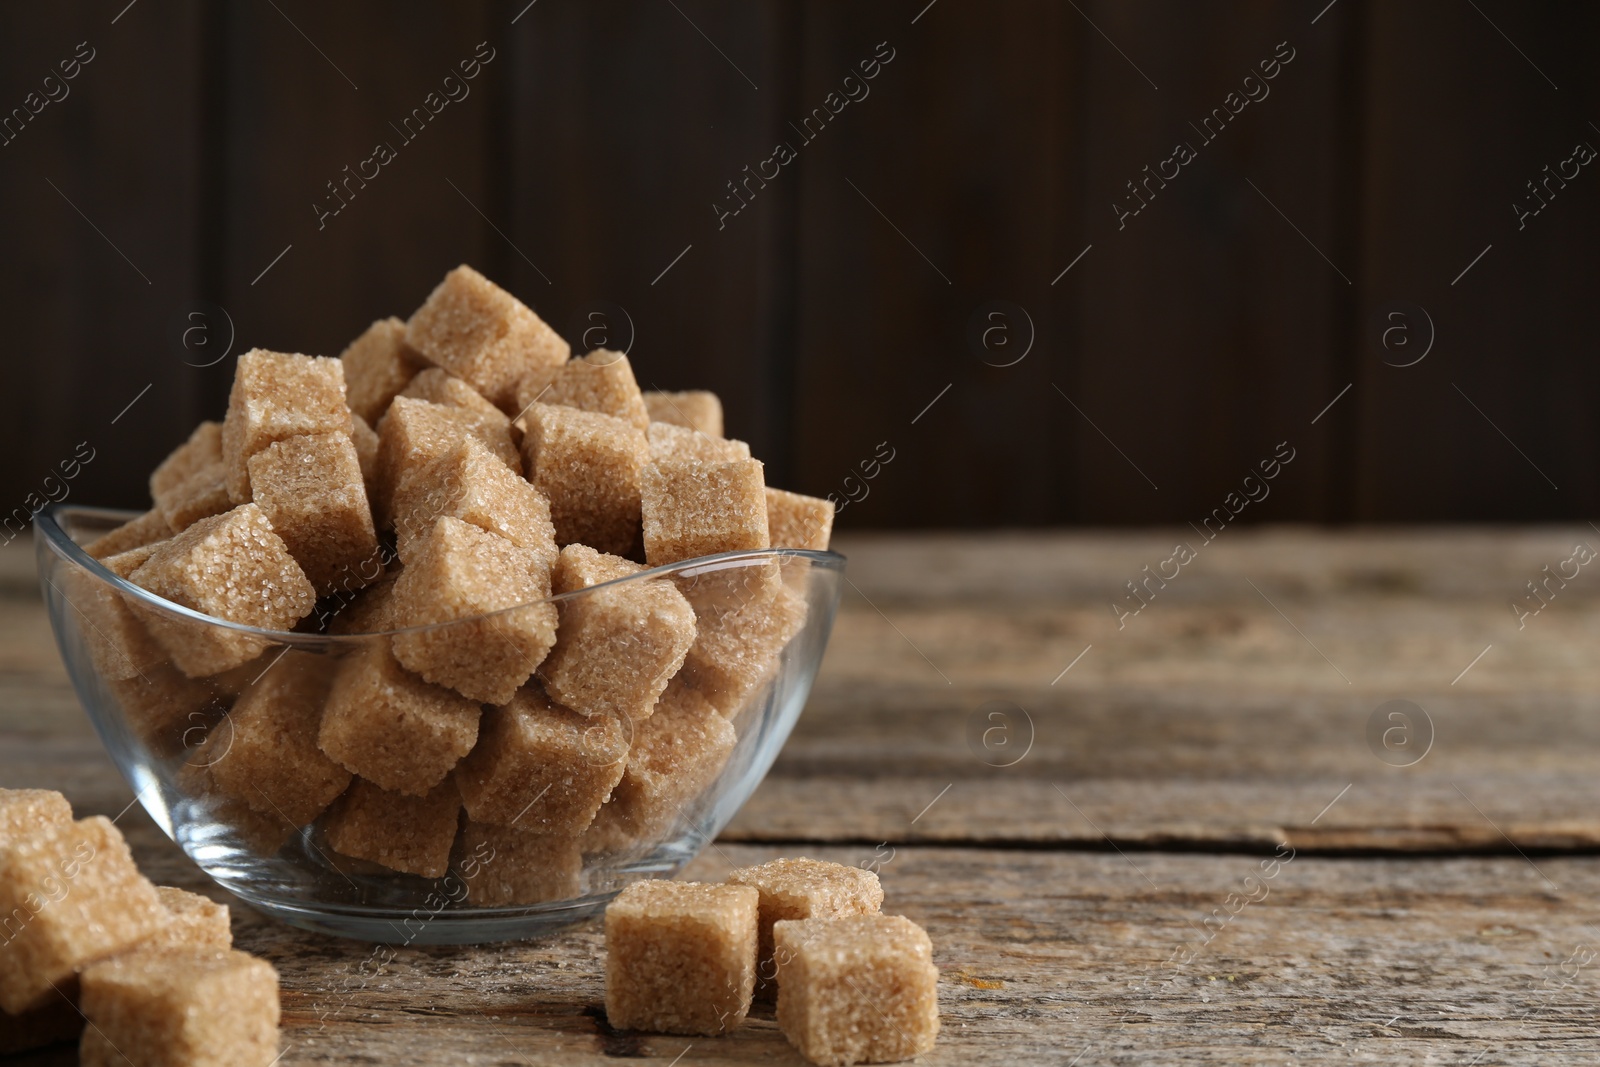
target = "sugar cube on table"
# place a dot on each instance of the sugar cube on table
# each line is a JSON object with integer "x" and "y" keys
{"x": 680, "y": 957}
{"x": 617, "y": 646}
{"x": 695, "y": 409}
{"x": 479, "y": 332}
{"x": 497, "y": 590}
{"x": 601, "y": 382}
{"x": 147, "y": 529}
{"x": 277, "y": 395}
{"x": 738, "y": 649}
{"x": 232, "y": 566}
{"x": 801, "y": 888}
{"x": 267, "y": 754}
{"x": 438, "y": 386}
{"x": 677, "y": 753}
{"x": 377, "y": 366}
{"x": 409, "y": 834}
{"x": 69, "y": 894}
{"x": 311, "y": 490}
{"x": 861, "y": 989}
{"x": 671, "y": 442}
{"x": 510, "y": 865}
{"x": 469, "y": 483}
{"x": 587, "y": 465}
{"x": 795, "y": 520}
{"x": 695, "y": 509}
{"x": 191, "y": 483}
{"x": 415, "y": 433}
{"x": 24, "y": 812}
{"x": 196, "y": 921}
{"x": 180, "y": 1007}
{"x": 541, "y": 767}
{"x": 391, "y": 727}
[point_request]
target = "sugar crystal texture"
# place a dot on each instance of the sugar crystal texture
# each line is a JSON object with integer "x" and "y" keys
{"x": 391, "y": 727}
{"x": 147, "y": 529}
{"x": 460, "y": 572}
{"x": 25, "y": 812}
{"x": 231, "y": 566}
{"x": 415, "y": 433}
{"x": 479, "y": 332}
{"x": 310, "y": 489}
{"x": 510, "y": 865}
{"x": 469, "y": 483}
{"x": 117, "y": 641}
{"x": 670, "y": 442}
{"x": 861, "y": 989}
{"x": 377, "y": 366}
{"x": 180, "y": 1007}
{"x": 798, "y": 521}
{"x": 267, "y": 755}
{"x": 695, "y": 509}
{"x": 601, "y": 382}
{"x": 541, "y": 767}
{"x": 587, "y": 465}
{"x": 438, "y": 386}
{"x": 197, "y": 921}
{"x": 737, "y": 650}
{"x": 617, "y": 646}
{"x": 69, "y": 894}
{"x": 277, "y": 395}
{"x": 695, "y": 409}
{"x": 409, "y": 834}
{"x": 680, "y": 957}
{"x": 800, "y": 888}
{"x": 191, "y": 483}
{"x": 677, "y": 753}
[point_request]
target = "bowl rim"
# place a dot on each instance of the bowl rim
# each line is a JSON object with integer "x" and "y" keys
{"x": 51, "y": 532}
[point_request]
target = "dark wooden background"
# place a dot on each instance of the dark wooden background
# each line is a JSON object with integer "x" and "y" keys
{"x": 1220, "y": 321}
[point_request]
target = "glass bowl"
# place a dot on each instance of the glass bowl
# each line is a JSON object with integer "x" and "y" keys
{"x": 172, "y": 735}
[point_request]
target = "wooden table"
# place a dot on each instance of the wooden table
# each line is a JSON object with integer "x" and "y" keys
{"x": 1111, "y": 896}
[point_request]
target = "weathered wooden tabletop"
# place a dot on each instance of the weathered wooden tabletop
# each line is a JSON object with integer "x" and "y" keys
{"x": 1085, "y": 817}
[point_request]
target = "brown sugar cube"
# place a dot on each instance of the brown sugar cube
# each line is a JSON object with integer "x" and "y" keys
{"x": 695, "y": 409}
{"x": 696, "y": 509}
{"x": 798, "y": 521}
{"x": 310, "y": 489}
{"x": 479, "y": 332}
{"x": 271, "y": 760}
{"x": 391, "y": 727}
{"x": 861, "y": 989}
{"x": 25, "y": 812}
{"x": 197, "y": 921}
{"x": 369, "y": 611}
{"x": 736, "y": 651}
{"x": 409, "y": 834}
{"x": 509, "y": 865}
{"x": 117, "y": 641}
{"x": 231, "y": 566}
{"x": 68, "y": 894}
{"x": 180, "y": 1007}
{"x": 277, "y": 395}
{"x": 801, "y": 888}
{"x": 617, "y": 646}
{"x": 677, "y": 753}
{"x": 164, "y": 708}
{"x": 191, "y": 483}
{"x": 469, "y": 483}
{"x": 579, "y": 567}
{"x": 438, "y": 386}
{"x": 377, "y": 366}
{"x": 680, "y": 957}
{"x": 587, "y": 465}
{"x": 670, "y": 442}
{"x": 459, "y": 572}
{"x": 57, "y": 1020}
{"x": 542, "y": 768}
{"x": 601, "y": 382}
{"x": 365, "y": 439}
{"x": 147, "y": 529}
{"x": 415, "y": 433}
{"x": 264, "y": 834}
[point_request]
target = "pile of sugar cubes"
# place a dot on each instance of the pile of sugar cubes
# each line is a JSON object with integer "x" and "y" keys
{"x": 459, "y": 468}
{"x": 853, "y": 985}
{"x": 147, "y": 974}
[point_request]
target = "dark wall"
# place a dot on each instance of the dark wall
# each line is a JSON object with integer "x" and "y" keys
{"x": 961, "y": 211}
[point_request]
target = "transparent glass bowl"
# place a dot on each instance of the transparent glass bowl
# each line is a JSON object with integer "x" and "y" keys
{"x": 165, "y": 730}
